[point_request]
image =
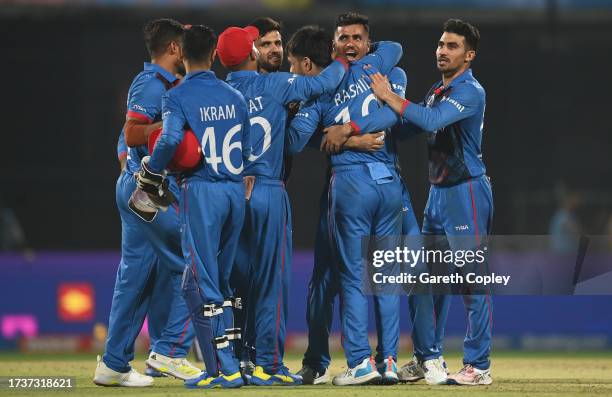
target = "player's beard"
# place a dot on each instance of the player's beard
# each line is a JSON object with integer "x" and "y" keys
{"x": 270, "y": 67}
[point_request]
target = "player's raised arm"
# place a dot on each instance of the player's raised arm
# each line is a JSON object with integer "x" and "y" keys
{"x": 384, "y": 56}
{"x": 289, "y": 87}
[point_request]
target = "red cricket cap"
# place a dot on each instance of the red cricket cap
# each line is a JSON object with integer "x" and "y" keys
{"x": 188, "y": 153}
{"x": 235, "y": 44}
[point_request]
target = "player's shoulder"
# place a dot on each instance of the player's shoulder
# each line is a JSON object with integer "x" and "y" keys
{"x": 230, "y": 92}
{"x": 471, "y": 87}
{"x": 397, "y": 73}
{"x": 147, "y": 82}
{"x": 275, "y": 79}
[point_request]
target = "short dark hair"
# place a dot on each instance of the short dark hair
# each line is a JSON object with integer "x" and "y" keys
{"x": 312, "y": 42}
{"x": 352, "y": 18}
{"x": 198, "y": 42}
{"x": 159, "y": 33}
{"x": 265, "y": 25}
{"x": 465, "y": 29}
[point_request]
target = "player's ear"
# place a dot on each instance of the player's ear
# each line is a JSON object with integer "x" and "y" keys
{"x": 175, "y": 48}
{"x": 470, "y": 55}
{"x": 307, "y": 64}
{"x": 254, "y": 54}
{"x": 213, "y": 56}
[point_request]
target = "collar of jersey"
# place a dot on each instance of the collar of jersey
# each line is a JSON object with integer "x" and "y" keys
{"x": 466, "y": 75}
{"x": 156, "y": 68}
{"x": 205, "y": 74}
{"x": 240, "y": 74}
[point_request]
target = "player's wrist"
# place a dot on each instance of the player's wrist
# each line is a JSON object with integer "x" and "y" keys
{"x": 386, "y": 95}
{"x": 405, "y": 104}
{"x": 352, "y": 128}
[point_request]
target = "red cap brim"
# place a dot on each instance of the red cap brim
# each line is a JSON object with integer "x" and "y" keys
{"x": 253, "y": 32}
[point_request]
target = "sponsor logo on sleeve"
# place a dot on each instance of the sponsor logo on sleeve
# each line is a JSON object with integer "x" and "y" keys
{"x": 453, "y": 102}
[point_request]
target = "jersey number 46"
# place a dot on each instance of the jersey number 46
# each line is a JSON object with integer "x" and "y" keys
{"x": 209, "y": 139}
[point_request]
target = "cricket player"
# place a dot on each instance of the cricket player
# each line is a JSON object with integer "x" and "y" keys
{"x": 268, "y": 216}
{"x": 309, "y": 51}
{"x": 369, "y": 178}
{"x": 269, "y": 47}
{"x": 161, "y": 288}
{"x": 269, "y": 44}
{"x": 270, "y": 59}
{"x": 460, "y": 203}
{"x": 151, "y": 255}
{"x": 212, "y": 206}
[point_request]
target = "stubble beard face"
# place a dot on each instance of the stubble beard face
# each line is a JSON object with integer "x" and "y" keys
{"x": 269, "y": 67}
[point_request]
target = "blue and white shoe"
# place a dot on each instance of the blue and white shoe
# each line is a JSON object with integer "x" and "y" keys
{"x": 281, "y": 378}
{"x": 388, "y": 371}
{"x": 362, "y": 374}
{"x": 205, "y": 381}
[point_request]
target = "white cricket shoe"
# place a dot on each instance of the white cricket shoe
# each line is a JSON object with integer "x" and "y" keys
{"x": 311, "y": 377}
{"x": 434, "y": 371}
{"x": 105, "y": 376}
{"x": 411, "y": 372}
{"x": 362, "y": 374}
{"x": 471, "y": 376}
{"x": 180, "y": 368}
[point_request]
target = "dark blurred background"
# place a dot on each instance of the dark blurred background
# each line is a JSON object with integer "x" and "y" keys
{"x": 67, "y": 66}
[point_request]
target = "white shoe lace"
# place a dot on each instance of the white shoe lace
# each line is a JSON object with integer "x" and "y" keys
{"x": 348, "y": 372}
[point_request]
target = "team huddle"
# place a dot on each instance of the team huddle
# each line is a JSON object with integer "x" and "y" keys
{"x": 206, "y": 220}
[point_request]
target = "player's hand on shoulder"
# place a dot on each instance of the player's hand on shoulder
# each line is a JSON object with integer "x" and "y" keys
{"x": 380, "y": 85}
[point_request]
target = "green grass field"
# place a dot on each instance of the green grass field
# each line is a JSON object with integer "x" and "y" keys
{"x": 514, "y": 374}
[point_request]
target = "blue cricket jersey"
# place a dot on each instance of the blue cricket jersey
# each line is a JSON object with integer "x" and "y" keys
{"x": 381, "y": 119}
{"x": 218, "y": 116}
{"x": 353, "y": 99}
{"x": 384, "y": 117}
{"x": 122, "y": 148}
{"x": 144, "y": 103}
{"x": 454, "y": 116}
{"x": 267, "y": 97}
